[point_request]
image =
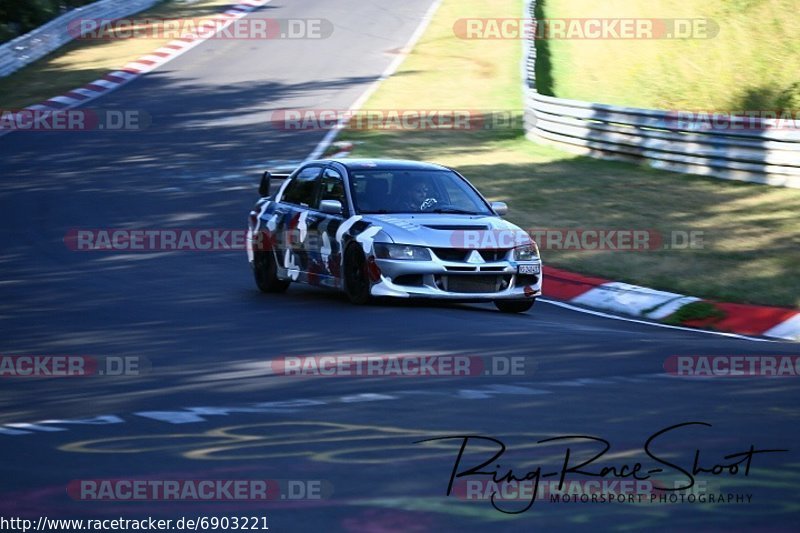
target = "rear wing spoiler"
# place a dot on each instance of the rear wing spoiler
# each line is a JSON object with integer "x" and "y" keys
{"x": 280, "y": 173}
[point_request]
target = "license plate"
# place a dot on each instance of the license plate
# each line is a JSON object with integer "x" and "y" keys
{"x": 529, "y": 269}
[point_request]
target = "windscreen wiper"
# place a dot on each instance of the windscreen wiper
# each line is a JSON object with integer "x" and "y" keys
{"x": 453, "y": 210}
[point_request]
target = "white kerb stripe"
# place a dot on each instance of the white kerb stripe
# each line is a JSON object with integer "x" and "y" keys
{"x": 65, "y": 100}
{"x": 788, "y": 329}
{"x": 86, "y": 92}
{"x": 624, "y": 298}
{"x": 105, "y": 83}
{"x": 670, "y": 307}
{"x": 123, "y": 74}
{"x": 157, "y": 59}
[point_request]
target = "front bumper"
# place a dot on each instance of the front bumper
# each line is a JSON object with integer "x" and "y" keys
{"x": 456, "y": 281}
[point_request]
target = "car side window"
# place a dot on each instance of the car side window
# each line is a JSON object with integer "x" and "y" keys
{"x": 332, "y": 187}
{"x": 304, "y": 188}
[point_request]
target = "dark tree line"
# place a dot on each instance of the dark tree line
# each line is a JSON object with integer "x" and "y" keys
{"x": 21, "y": 16}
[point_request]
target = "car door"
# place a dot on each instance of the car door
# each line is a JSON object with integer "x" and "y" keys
{"x": 323, "y": 251}
{"x": 296, "y": 204}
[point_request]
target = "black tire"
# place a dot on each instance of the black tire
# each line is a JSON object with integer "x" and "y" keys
{"x": 356, "y": 282}
{"x": 514, "y": 306}
{"x": 266, "y": 273}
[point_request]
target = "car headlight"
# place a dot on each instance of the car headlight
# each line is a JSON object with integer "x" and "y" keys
{"x": 402, "y": 251}
{"x": 526, "y": 252}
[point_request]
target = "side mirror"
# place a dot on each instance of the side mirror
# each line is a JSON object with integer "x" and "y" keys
{"x": 263, "y": 188}
{"x": 501, "y": 208}
{"x": 331, "y": 207}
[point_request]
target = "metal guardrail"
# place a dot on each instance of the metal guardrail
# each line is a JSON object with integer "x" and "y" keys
{"x": 27, "y": 48}
{"x": 754, "y": 150}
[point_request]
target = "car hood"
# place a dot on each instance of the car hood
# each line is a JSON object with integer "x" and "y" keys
{"x": 446, "y": 231}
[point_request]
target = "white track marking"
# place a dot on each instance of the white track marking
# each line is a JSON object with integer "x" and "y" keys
{"x": 654, "y": 324}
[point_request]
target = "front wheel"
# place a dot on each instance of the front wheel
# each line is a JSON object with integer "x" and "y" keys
{"x": 514, "y": 306}
{"x": 266, "y": 273}
{"x": 356, "y": 282}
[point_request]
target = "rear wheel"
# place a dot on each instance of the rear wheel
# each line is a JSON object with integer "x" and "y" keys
{"x": 266, "y": 273}
{"x": 356, "y": 282}
{"x": 514, "y": 306}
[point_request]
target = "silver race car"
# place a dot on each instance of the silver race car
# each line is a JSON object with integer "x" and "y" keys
{"x": 386, "y": 228}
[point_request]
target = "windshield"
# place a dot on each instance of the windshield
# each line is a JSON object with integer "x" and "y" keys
{"x": 415, "y": 191}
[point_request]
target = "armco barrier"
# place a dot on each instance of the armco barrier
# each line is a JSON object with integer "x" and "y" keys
{"x": 754, "y": 150}
{"x": 27, "y": 48}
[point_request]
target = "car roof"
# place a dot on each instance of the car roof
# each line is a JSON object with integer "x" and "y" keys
{"x": 385, "y": 164}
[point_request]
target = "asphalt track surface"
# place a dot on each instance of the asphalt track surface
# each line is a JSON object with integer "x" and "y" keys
{"x": 208, "y": 333}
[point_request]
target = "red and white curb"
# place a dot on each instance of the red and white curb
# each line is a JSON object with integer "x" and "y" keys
{"x": 116, "y": 79}
{"x": 632, "y": 300}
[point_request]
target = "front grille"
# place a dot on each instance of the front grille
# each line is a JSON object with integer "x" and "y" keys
{"x": 460, "y": 255}
{"x": 476, "y": 284}
{"x": 460, "y": 269}
{"x": 491, "y": 256}
{"x": 455, "y": 255}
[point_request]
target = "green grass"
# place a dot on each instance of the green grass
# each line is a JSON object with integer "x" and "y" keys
{"x": 751, "y": 64}
{"x": 693, "y": 312}
{"x": 81, "y": 62}
{"x": 751, "y": 249}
